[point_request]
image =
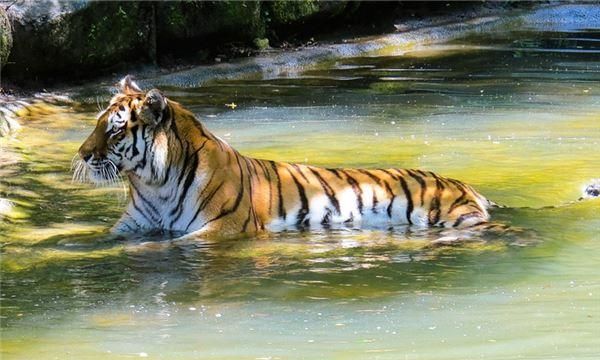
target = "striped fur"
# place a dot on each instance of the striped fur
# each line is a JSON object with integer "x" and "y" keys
{"x": 183, "y": 178}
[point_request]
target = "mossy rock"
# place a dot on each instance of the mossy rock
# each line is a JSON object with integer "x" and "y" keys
{"x": 5, "y": 37}
{"x": 286, "y": 12}
{"x": 81, "y": 42}
{"x": 182, "y": 26}
{"x": 290, "y": 18}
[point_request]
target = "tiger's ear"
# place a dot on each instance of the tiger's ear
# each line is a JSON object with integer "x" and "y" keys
{"x": 153, "y": 110}
{"x": 128, "y": 86}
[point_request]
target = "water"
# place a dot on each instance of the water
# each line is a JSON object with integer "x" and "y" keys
{"x": 514, "y": 113}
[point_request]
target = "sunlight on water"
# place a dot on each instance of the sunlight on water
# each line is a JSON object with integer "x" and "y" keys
{"x": 513, "y": 113}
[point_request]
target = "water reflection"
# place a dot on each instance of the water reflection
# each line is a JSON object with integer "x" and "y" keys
{"x": 347, "y": 264}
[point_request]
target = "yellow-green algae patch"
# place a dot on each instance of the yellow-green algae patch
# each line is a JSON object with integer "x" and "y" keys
{"x": 23, "y": 259}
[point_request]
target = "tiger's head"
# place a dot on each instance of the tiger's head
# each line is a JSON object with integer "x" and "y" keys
{"x": 129, "y": 137}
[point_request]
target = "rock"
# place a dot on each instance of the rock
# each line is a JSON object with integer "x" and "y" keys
{"x": 288, "y": 13}
{"x": 592, "y": 190}
{"x": 73, "y": 40}
{"x": 286, "y": 19}
{"x": 5, "y": 37}
{"x": 54, "y": 39}
{"x": 183, "y": 26}
{"x": 261, "y": 43}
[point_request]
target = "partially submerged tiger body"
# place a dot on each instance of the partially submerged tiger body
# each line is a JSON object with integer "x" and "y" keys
{"x": 184, "y": 178}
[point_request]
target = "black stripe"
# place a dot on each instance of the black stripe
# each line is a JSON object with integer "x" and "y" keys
{"x": 393, "y": 176}
{"x": 389, "y": 190}
{"x": 295, "y": 166}
{"x": 200, "y": 127}
{"x": 166, "y": 114}
{"x": 461, "y": 200}
{"x": 268, "y": 176}
{"x": 209, "y": 197}
{"x": 375, "y": 202}
{"x": 409, "y": 201}
{"x": 191, "y": 174}
{"x": 327, "y": 218}
{"x": 152, "y": 169}
{"x": 253, "y": 163}
{"x": 328, "y": 190}
{"x": 371, "y": 175}
{"x": 475, "y": 204}
{"x": 251, "y": 211}
{"x": 350, "y": 219}
{"x": 238, "y": 199}
{"x": 440, "y": 181}
{"x": 128, "y": 226}
{"x": 175, "y": 132}
{"x": 282, "y": 213}
{"x": 146, "y": 203}
{"x": 126, "y": 215}
{"x": 466, "y": 216}
{"x": 392, "y": 198}
{"x": 207, "y": 134}
{"x": 134, "y": 150}
{"x": 421, "y": 182}
{"x": 123, "y": 222}
{"x": 379, "y": 182}
{"x": 204, "y": 202}
{"x": 357, "y": 190}
{"x": 421, "y": 172}
{"x": 245, "y": 226}
{"x": 140, "y": 211}
{"x": 251, "y": 170}
{"x": 336, "y": 172}
{"x": 143, "y": 162}
{"x": 301, "y": 217}
{"x": 434, "y": 208}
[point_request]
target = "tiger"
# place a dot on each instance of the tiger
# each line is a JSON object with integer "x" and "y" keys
{"x": 185, "y": 179}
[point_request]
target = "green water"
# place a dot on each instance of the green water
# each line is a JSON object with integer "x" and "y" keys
{"x": 513, "y": 113}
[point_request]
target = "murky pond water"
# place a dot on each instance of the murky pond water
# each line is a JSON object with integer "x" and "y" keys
{"x": 513, "y": 113}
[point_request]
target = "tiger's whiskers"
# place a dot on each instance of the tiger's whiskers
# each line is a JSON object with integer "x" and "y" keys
{"x": 107, "y": 175}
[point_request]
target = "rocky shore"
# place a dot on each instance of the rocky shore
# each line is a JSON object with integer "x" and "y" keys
{"x": 68, "y": 41}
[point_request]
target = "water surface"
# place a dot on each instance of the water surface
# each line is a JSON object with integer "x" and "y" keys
{"x": 514, "y": 113}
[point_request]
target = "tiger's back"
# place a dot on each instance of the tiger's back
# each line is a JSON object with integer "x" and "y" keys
{"x": 294, "y": 195}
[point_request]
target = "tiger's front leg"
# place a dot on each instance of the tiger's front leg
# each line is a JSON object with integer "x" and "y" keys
{"x": 126, "y": 225}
